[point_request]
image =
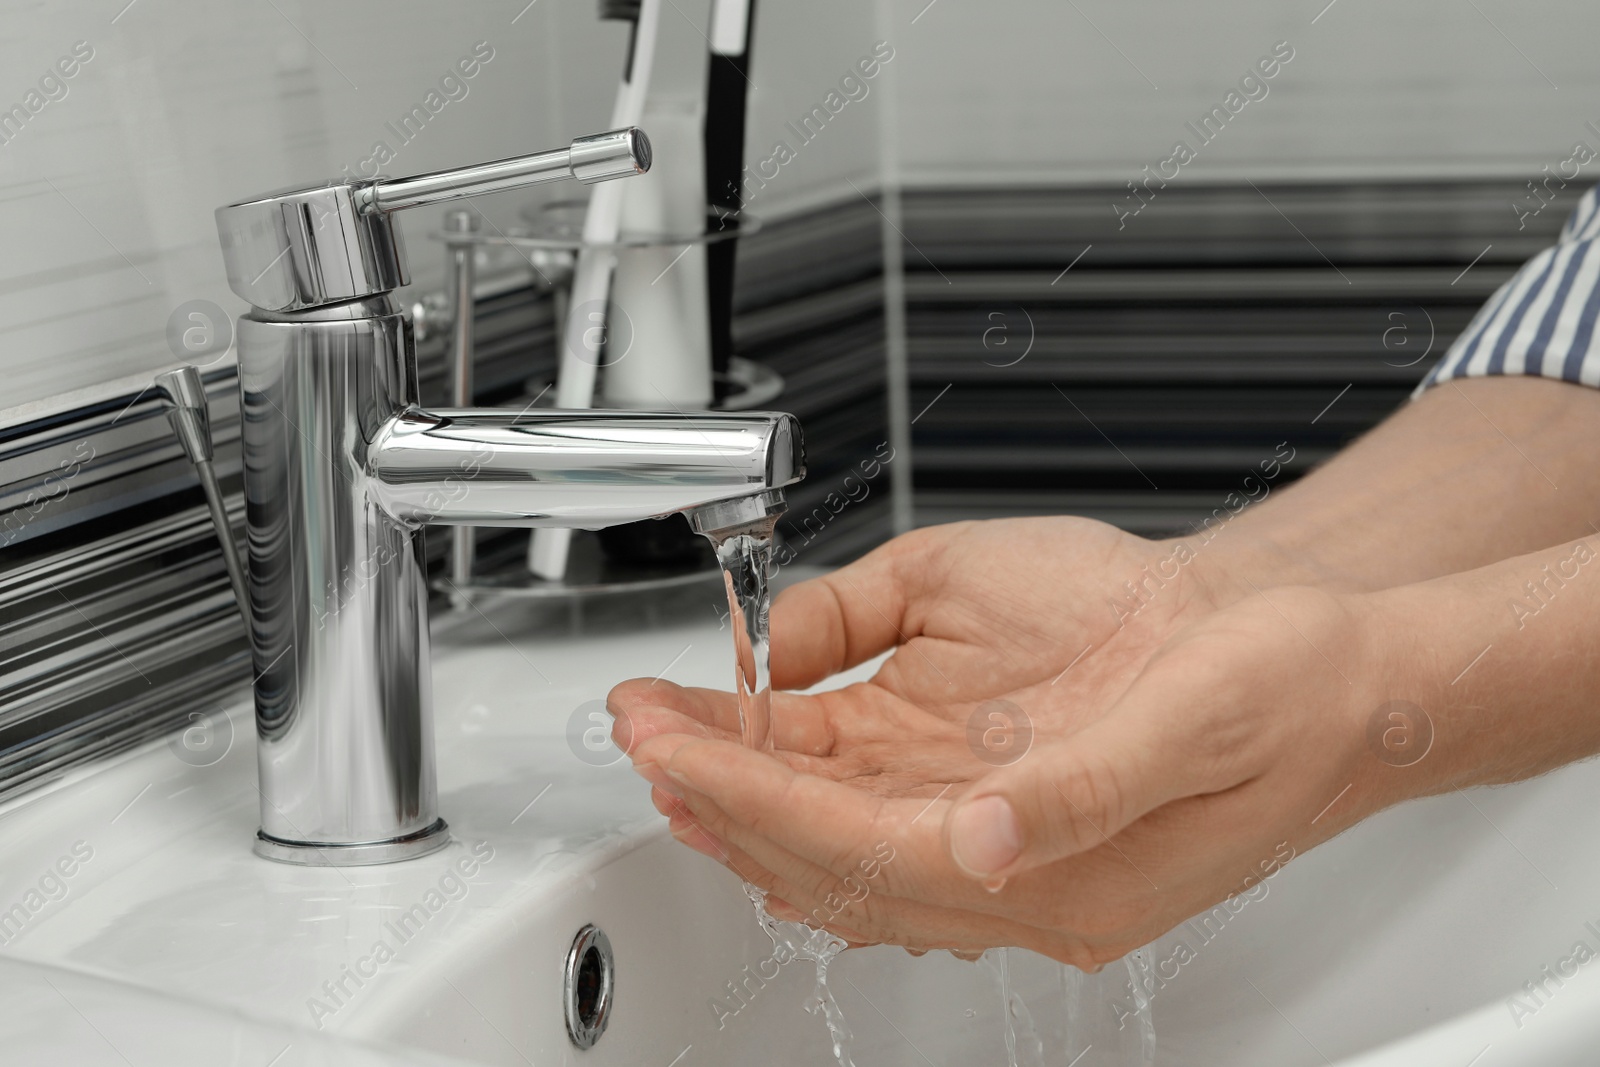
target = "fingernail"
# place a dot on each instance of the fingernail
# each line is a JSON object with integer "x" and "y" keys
{"x": 994, "y": 885}
{"x": 984, "y": 836}
{"x": 657, "y": 776}
{"x": 622, "y": 730}
{"x": 666, "y": 805}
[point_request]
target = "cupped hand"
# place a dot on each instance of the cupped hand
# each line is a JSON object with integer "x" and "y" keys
{"x": 1012, "y": 627}
{"x": 1003, "y": 632}
{"x": 1241, "y": 741}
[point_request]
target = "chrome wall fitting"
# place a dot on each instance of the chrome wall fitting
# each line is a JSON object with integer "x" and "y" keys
{"x": 184, "y": 394}
{"x": 343, "y": 469}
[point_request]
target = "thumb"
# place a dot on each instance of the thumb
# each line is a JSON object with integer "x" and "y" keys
{"x": 1068, "y": 797}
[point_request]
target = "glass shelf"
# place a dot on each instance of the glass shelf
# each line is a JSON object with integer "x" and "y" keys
{"x": 559, "y": 227}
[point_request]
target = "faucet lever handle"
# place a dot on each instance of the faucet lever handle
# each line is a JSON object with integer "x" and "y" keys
{"x": 307, "y": 247}
{"x": 601, "y": 157}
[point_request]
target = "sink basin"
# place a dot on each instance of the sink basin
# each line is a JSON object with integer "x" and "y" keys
{"x": 55, "y": 1015}
{"x": 1397, "y": 943}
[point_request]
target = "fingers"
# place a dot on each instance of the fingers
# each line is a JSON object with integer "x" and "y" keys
{"x": 645, "y": 708}
{"x": 849, "y": 861}
{"x": 833, "y": 826}
{"x": 688, "y": 830}
{"x": 828, "y": 624}
{"x": 859, "y": 902}
{"x": 1074, "y": 795}
{"x": 782, "y": 910}
{"x": 812, "y": 830}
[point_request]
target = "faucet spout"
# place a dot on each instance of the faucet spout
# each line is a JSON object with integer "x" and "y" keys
{"x": 343, "y": 469}
{"x": 584, "y": 469}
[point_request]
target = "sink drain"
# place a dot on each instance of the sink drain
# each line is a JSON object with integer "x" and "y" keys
{"x": 589, "y": 979}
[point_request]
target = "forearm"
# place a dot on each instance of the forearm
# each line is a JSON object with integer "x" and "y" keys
{"x": 1470, "y": 473}
{"x": 1504, "y": 661}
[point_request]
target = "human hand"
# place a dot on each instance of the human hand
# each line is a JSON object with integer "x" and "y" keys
{"x": 1031, "y": 623}
{"x": 1242, "y": 741}
{"x": 1024, "y": 612}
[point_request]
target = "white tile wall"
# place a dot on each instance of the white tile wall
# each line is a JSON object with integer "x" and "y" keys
{"x": 1090, "y": 90}
{"x": 804, "y": 50}
{"x": 106, "y": 193}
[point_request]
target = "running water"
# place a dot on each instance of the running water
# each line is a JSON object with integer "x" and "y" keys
{"x": 745, "y": 553}
{"x": 1084, "y": 1020}
{"x": 819, "y": 947}
{"x": 1023, "y": 1047}
{"x": 1138, "y": 967}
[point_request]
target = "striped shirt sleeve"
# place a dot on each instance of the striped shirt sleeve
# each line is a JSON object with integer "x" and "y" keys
{"x": 1541, "y": 322}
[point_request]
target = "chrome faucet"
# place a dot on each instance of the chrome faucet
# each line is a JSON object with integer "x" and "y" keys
{"x": 343, "y": 469}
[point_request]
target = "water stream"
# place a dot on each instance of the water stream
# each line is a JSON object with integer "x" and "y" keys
{"x": 1076, "y": 1019}
{"x": 1023, "y": 1047}
{"x": 819, "y": 947}
{"x": 745, "y": 554}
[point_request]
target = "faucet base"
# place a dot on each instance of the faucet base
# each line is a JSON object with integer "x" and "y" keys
{"x": 309, "y": 854}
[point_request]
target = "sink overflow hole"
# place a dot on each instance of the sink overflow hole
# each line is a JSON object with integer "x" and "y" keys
{"x": 588, "y": 986}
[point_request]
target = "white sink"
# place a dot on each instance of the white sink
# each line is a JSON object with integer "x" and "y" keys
{"x": 1395, "y": 944}
{"x": 58, "y": 1016}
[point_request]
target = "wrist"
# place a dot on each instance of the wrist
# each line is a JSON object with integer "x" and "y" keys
{"x": 1409, "y": 651}
{"x": 1231, "y": 564}
{"x": 1498, "y": 697}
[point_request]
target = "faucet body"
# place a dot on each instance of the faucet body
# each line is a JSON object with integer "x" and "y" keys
{"x": 338, "y": 594}
{"x": 343, "y": 469}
